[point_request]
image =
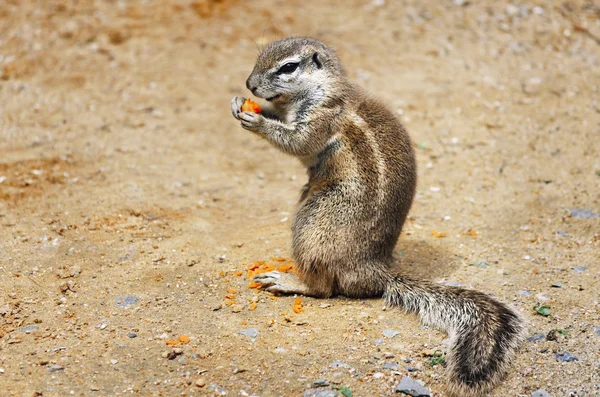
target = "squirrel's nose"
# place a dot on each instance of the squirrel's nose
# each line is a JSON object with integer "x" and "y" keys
{"x": 253, "y": 89}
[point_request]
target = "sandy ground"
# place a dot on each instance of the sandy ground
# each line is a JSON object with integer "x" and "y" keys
{"x": 132, "y": 203}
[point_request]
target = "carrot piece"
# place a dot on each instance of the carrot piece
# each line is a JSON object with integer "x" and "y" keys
{"x": 184, "y": 339}
{"x": 172, "y": 342}
{"x": 298, "y": 306}
{"x": 251, "y": 106}
{"x": 254, "y": 285}
{"x": 253, "y": 306}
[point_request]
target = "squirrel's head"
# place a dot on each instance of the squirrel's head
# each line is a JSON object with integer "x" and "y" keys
{"x": 293, "y": 67}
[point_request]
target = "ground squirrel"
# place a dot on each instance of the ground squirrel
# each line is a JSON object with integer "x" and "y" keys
{"x": 361, "y": 182}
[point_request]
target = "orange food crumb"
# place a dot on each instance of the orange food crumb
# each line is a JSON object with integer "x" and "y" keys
{"x": 253, "y": 266}
{"x": 243, "y": 322}
{"x": 273, "y": 298}
{"x": 229, "y": 302}
{"x": 251, "y": 106}
{"x": 184, "y": 339}
{"x": 271, "y": 321}
{"x": 238, "y": 274}
{"x": 285, "y": 268}
{"x": 437, "y": 234}
{"x": 253, "y": 306}
{"x": 230, "y": 296}
{"x": 158, "y": 277}
{"x": 172, "y": 342}
{"x": 254, "y": 285}
{"x": 472, "y": 233}
{"x": 279, "y": 259}
{"x": 231, "y": 290}
{"x": 298, "y": 306}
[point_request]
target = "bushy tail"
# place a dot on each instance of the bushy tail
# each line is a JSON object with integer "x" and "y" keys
{"x": 484, "y": 333}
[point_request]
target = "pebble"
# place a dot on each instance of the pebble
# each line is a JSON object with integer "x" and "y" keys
{"x": 390, "y": 333}
{"x": 1, "y": 370}
{"x": 29, "y": 329}
{"x": 321, "y": 382}
{"x": 579, "y": 269}
{"x": 126, "y": 301}
{"x": 411, "y": 387}
{"x": 579, "y": 213}
{"x": 410, "y": 368}
{"x": 536, "y": 337}
{"x": 339, "y": 364}
{"x": 113, "y": 361}
{"x": 540, "y": 393}
{"x": 565, "y": 357}
{"x": 597, "y": 330}
{"x": 217, "y": 389}
{"x": 319, "y": 393}
{"x": 562, "y": 234}
{"x": 249, "y": 332}
{"x": 557, "y": 285}
{"x": 392, "y": 366}
{"x": 54, "y": 368}
{"x": 378, "y": 342}
{"x": 378, "y": 375}
{"x": 525, "y": 293}
{"x": 200, "y": 382}
{"x": 132, "y": 335}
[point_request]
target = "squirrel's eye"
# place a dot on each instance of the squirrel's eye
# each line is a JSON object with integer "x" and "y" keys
{"x": 288, "y": 68}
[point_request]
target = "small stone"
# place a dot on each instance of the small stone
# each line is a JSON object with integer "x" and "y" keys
{"x": 392, "y": 366}
{"x": 597, "y": 330}
{"x": 410, "y": 368}
{"x": 565, "y": 357}
{"x": 126, "y": 301}
{"x": 390, "y": 333}
{"x": 200, "y": 382}
{"x": 536, "y": 337}
{"x": 319, "y": 393}
{"x": 555, "y": 335}
{"x": 378, "y": 342}
{"x": 29, "y": 329}
{"x": 378, "y": 375}
{"x": 132, "y": 335}
{"x": 540, "y": 393}
{"x": 525, "y": 293}
{"x": 178, "y": 350}
{"x": 113, "y": 361}
{"x": 217, "y": 389}
{"x": 321, "y": 382}
{"x": 557, "y": 285}
{"x": 339, "y": 364}
{"x": 249, "y": 332}
{"x": 579, "y": 269}
{"x": 579, "y": 213}
{"x": 1, "y": 370}
{"x": 164, "y": 354}
{"x": 562, "y": 234}
{"x": 55, "y": 368}
{"x": 279, "y": 350}
{"x": 411, "y": 387}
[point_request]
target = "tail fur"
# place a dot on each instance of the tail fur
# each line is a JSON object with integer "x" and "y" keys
{"x": 484, "y": 333}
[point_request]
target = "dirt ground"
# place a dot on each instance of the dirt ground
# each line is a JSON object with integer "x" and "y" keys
{"x": 132, "y": 203}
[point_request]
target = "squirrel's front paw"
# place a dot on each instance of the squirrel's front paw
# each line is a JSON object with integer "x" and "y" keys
{"x": 251, "y": 121}
{"x": 236, "y": 106}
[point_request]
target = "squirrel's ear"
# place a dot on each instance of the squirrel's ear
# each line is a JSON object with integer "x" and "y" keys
{"x": 316, "y": 60}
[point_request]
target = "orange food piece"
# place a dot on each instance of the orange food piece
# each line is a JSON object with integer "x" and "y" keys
{"x": 279, "y": 259}
{"x": 231, "y": 290}
{"x": 472, "y": 233}
{"x": 184, "y": 339}
{"x": 238, "y": 274}
{"x": 254, "y": 285}
{"x": 230, "y": 302}
{"x": 437, "y": 234}
{"x": 253, "y": 266}
{"x": 285, "y": 268}
{"x": 298, "y": 306}
{"x": 253, "y": 306}
{"x": 172, "y": 342}
{"x": 251, "y": 106}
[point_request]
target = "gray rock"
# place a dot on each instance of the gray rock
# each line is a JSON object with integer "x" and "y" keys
{"x": 410, "y": 368}
{"x": 392, "y": 366}
{"x": 55, "y": 368}
{"x": 562, "y": 234}
{"x": 132, "y": 335}
{"x": 322, "y": 382}
{"x": 411, "y": 387}
{"x": 478, "y": 262}
{"x": 540, "y": 393}
{"x": 536, "y": 337}
{"x": 525, "y": 293}
{"x": 339, "y": 364}
{"x": 597, "y": 330}
{"x": 579, "y": 269}
{"x": 319, "y": 393}
{"x": 579, "y": 213}
{"x": 378, "y": 342}
{"x": 217, "y": 389}
{"x": 249, "y": 332}
{"x": 565, "y": 357}
{"x": 126, "y": 301}
{"x": 390, "y": 333}
{"x": 29, "y": 328}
